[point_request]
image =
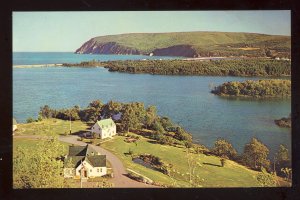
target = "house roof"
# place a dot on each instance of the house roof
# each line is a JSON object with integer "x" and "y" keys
{"x": 97, "y": 160}
{"x": 77, "y": 150}
{"x": 14, "y": 121}
{"x": 81, "y": 150}
{"x": 75, "y": 161}
{"x": 81, "y": 153}
{"x": 105, "y": 123}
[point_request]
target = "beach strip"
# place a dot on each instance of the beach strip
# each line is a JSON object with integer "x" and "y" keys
{"x": 36, "y": 65}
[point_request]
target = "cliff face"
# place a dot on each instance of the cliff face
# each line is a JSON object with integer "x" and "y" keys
{"x": 177, "y": 50}
{"x": 92, "y": 47}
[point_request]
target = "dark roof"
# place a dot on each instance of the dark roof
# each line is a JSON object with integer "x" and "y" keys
{"x": 97, "y": 161}
{"x": 77, "y": 150}
{"x": 74, "y": 161}
{"x": 78, "y": 153}
{"x": 81, "y": 150}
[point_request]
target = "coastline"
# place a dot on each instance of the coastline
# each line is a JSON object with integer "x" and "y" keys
{"x": 36, "y": 65}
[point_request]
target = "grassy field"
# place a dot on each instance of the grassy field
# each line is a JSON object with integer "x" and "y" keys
{"x": 213, "y": 175}
{"x": 47, "y": 126}
{"x": 210, "y": 170}
{"x": 147, "y": 42}
{"x": 30, "y": 144}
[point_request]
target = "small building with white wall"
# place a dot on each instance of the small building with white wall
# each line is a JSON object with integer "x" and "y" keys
{"x": 84, "y": 162}
{"x": 104, "y": 128}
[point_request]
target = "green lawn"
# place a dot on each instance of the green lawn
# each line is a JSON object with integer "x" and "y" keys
{"x": 232, "y": 175}
{"x": 30, "y": 144}
{"x": 47, "y": 126}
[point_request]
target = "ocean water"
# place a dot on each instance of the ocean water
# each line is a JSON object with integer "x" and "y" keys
{"x": 185, "y": 99}
{"x": 28, "y": 58}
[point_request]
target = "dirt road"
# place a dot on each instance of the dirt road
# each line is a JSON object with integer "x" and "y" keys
{"x": 119, "y": 180}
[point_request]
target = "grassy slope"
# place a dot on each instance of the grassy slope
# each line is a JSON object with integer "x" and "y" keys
{"x": 44, "y": 127}
{"x": 232, "y": 175}
{"x": 147, "y": 42}
{"x": 48, "y": 126}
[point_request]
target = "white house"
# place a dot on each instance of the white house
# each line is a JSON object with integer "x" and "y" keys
{"x": 84, "y": 162}
{"x": 104, "y": 128}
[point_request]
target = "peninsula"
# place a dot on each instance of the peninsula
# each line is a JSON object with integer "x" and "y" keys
{"x": 190, "y": 44}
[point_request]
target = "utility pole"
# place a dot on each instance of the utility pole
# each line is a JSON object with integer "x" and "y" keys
{"x": 70, "y": 124}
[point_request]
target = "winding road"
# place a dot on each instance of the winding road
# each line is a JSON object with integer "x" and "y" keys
{"x": 120, "y": 180}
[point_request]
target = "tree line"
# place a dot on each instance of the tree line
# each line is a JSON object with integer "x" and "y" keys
{"x": 255, "y": 156}
{"x": 137, "y": 118}
{"x": 259, "y": 88}
{"x": 240, "y": 67}
{"x": 128, "y": 117}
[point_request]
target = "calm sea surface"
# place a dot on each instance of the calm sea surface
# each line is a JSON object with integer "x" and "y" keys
{"x": 185, "y": 99}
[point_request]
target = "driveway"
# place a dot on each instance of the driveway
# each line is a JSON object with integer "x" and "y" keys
{"x": 119, "y": 180}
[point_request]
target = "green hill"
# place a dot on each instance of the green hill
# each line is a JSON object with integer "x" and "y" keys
{"x": 190, "y": 44}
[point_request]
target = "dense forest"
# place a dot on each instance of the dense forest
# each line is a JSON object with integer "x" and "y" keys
{"x": 259, "y": 88}
{"x": 242, "y": 67}
{"x": 247, "y": 67}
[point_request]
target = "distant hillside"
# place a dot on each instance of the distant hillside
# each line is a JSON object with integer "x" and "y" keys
{"x": 190, "y": 44}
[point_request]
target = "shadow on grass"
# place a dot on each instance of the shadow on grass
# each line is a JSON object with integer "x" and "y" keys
{"x": 212, "y": 164}
{"x": 79, "y": 132}
{"x": 90, "y": 123}
{"x": 127, "y": 154}
{"x": 152, "y": 142}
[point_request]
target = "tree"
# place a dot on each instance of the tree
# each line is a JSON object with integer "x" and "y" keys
{"x": 265, "y": 179}
{"x": 30, "y": 120}
{"x": 111, "y": 108}
{"x": 156, "y": 126}
{"x": 224, "y": 148}
{"x": 45, "y": 112}
{"x": 255, "y": 154}
{"x": 129, "y": 118}
{"x": 287, "y": 172}
{"x": 150, "y": 116}
{"x": 282, "y": 154}
{"x": 39, "y": 167}
{"x": 74, "y": 113}
{"x": 182, "y": 135}
{"x": 94, "y": 110}
{"x": 281, "y": 159}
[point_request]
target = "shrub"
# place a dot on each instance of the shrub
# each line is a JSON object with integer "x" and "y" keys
{"x": 30, "y": 120}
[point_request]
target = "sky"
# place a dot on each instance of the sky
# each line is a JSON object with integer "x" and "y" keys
{"x": 67, "y": 31}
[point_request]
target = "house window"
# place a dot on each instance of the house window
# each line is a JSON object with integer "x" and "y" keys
{"x": 90, "y": 170}
{"x": 98, "y": 170}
